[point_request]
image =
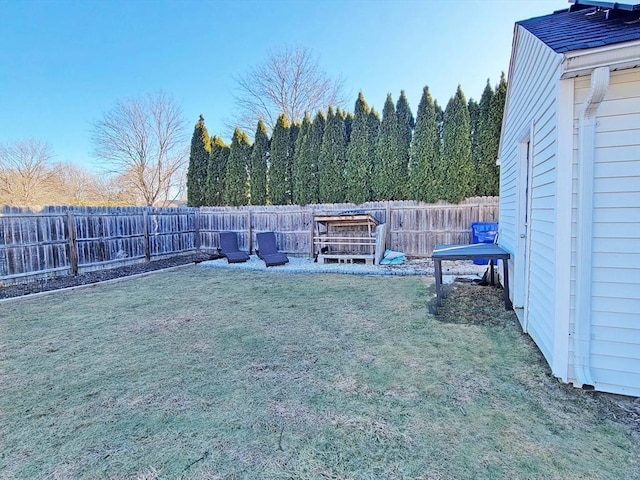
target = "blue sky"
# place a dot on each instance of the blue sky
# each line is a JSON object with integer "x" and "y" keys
{"x": 64, "y": 63}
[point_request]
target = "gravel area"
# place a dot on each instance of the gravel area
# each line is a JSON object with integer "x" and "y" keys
{"x": 307, "y": 265}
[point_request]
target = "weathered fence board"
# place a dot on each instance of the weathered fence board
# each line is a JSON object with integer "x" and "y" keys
{"x": 33, "y": 243}
{"x": 69, "y": 240}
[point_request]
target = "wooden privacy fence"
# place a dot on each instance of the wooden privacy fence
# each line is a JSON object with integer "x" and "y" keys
{"x": 412, "y": 227}
{"x": 71, "y": 240}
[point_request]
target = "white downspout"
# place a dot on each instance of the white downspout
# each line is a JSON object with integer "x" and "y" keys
{"x": 586, "y": 158}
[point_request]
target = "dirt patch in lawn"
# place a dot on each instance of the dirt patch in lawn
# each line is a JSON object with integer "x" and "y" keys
{"x": 474, "y": 304}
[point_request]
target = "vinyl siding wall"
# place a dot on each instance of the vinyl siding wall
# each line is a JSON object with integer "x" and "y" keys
{"x": 615, "y": 303}
{"x": 531, "y": 98}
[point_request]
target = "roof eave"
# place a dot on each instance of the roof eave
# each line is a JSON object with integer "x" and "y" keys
{"x": 619, "y": 56}
{"x": 514, "y": 42}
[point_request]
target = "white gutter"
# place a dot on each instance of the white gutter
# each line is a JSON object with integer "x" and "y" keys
{"x": 586, "y": 158}
{"x": 619, "y": 56}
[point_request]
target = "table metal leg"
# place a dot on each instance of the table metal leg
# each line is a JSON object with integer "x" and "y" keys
{"x": 438, "y": 274}
{"x": 493, "y": 280}
{"x": 505, "y": 274}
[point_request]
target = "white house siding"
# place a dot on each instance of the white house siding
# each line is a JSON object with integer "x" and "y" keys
{"x": 541, "y": 305}
{"x": 532, "y": 97}
{"x": 615, "y": 304}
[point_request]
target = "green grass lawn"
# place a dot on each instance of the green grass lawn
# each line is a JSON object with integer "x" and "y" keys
{"x": 216, "y": 374}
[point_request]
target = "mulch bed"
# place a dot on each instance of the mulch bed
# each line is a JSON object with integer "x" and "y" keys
{"x": 56, "y": 283}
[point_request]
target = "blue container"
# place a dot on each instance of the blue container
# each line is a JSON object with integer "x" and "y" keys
{"x": 483, "y": 232}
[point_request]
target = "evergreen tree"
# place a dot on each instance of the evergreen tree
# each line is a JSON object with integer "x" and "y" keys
{"x": 217, "y": 171}
{"x": 474, "y": 120}
{"x": 373, "y": 124}
{"x": 280, "y": 157}
{"x": 302, "y": 174}
{"x": 440, "y": 117}
{"x": 332, "y": 159}
{"x": 236, "y": 191}
{"x": 258, "y": 171}
{"x": 388, "y": 156}
{"x": 458, "y": 174}
{"x": 294, "y": 133}
{"x": 496, "y": 111}
{"x": 198, "y": 162}
{"x": 315, "y": 147}
{"x": 425, "y": 153}
{"x": 348, "y": 126}
{"x": 358, "y": 167}
{"x": 483, "y": 142}
{"x": 406, "y": 124}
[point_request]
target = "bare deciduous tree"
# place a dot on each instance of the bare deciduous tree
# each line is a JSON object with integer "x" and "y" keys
{"x": 74, "y": 185}
{"x": 289, "y": 82}
{"x": 26, "y": 173}
{"x": 145, "y": 140}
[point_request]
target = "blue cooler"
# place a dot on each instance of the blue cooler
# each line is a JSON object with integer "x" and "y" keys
{"x": 483, "y": 232}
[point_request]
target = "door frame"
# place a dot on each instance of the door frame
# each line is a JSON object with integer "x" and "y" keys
{"x": 522, "y": 262}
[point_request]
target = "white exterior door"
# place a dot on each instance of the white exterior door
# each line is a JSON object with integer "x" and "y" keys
{"x": 522, "y": 264}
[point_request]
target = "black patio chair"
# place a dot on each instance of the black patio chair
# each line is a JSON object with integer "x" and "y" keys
{"x": 268, "y": 251}
{"x": 229, "y": 248}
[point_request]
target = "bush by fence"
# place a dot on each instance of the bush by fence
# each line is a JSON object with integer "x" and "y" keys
{"x": 71, "y": 240}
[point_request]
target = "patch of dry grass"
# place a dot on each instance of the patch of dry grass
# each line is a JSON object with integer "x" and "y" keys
{"x": 209, "y": 374}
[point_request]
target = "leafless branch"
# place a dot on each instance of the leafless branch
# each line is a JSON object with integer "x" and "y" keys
{"x": 289, "y": 82}
{"x": 146, "y": 140}
{"x": 25, "y": 172}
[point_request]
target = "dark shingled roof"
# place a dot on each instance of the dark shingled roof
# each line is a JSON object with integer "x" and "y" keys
{"x": 566, "y": 31}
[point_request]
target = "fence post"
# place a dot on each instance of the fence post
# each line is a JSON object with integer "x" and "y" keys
{"x": 312, "y": 231}
{"x": 73, "y": 243}
{"x": 145, "y": 233}
{"x": 196, "y": 221}
{"x": 387, "y": 220}
{"x": 250, "y": 241}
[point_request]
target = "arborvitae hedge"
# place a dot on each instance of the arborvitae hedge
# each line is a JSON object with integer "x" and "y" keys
{"x": 332, "y": 159}
{"x": 482, "y": 148}
{"x": 236, "y": 188}
{"x": 315, "y": 147}
{"x": 198, "y": 162}
{"x": 359, "y": 161}
{"x": 217, "y": 171}
{"x": 373, "y": 125}
{"x": 406, "y": 124}
{"x": 386, "y": 169}
{"x": 441, "y": 155}
{"x": 348, "y": 126}
{"x": 294, "y": 132}
{"x": 302, "y": 165}
{"x": 458, "y": 176}
{"x": 425, "y": 153}
{"x": 258, "y": 171}
{"x": 496, "y": 111}
{"x": 280, "y": 159}
{"x": 474, "y": 117}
